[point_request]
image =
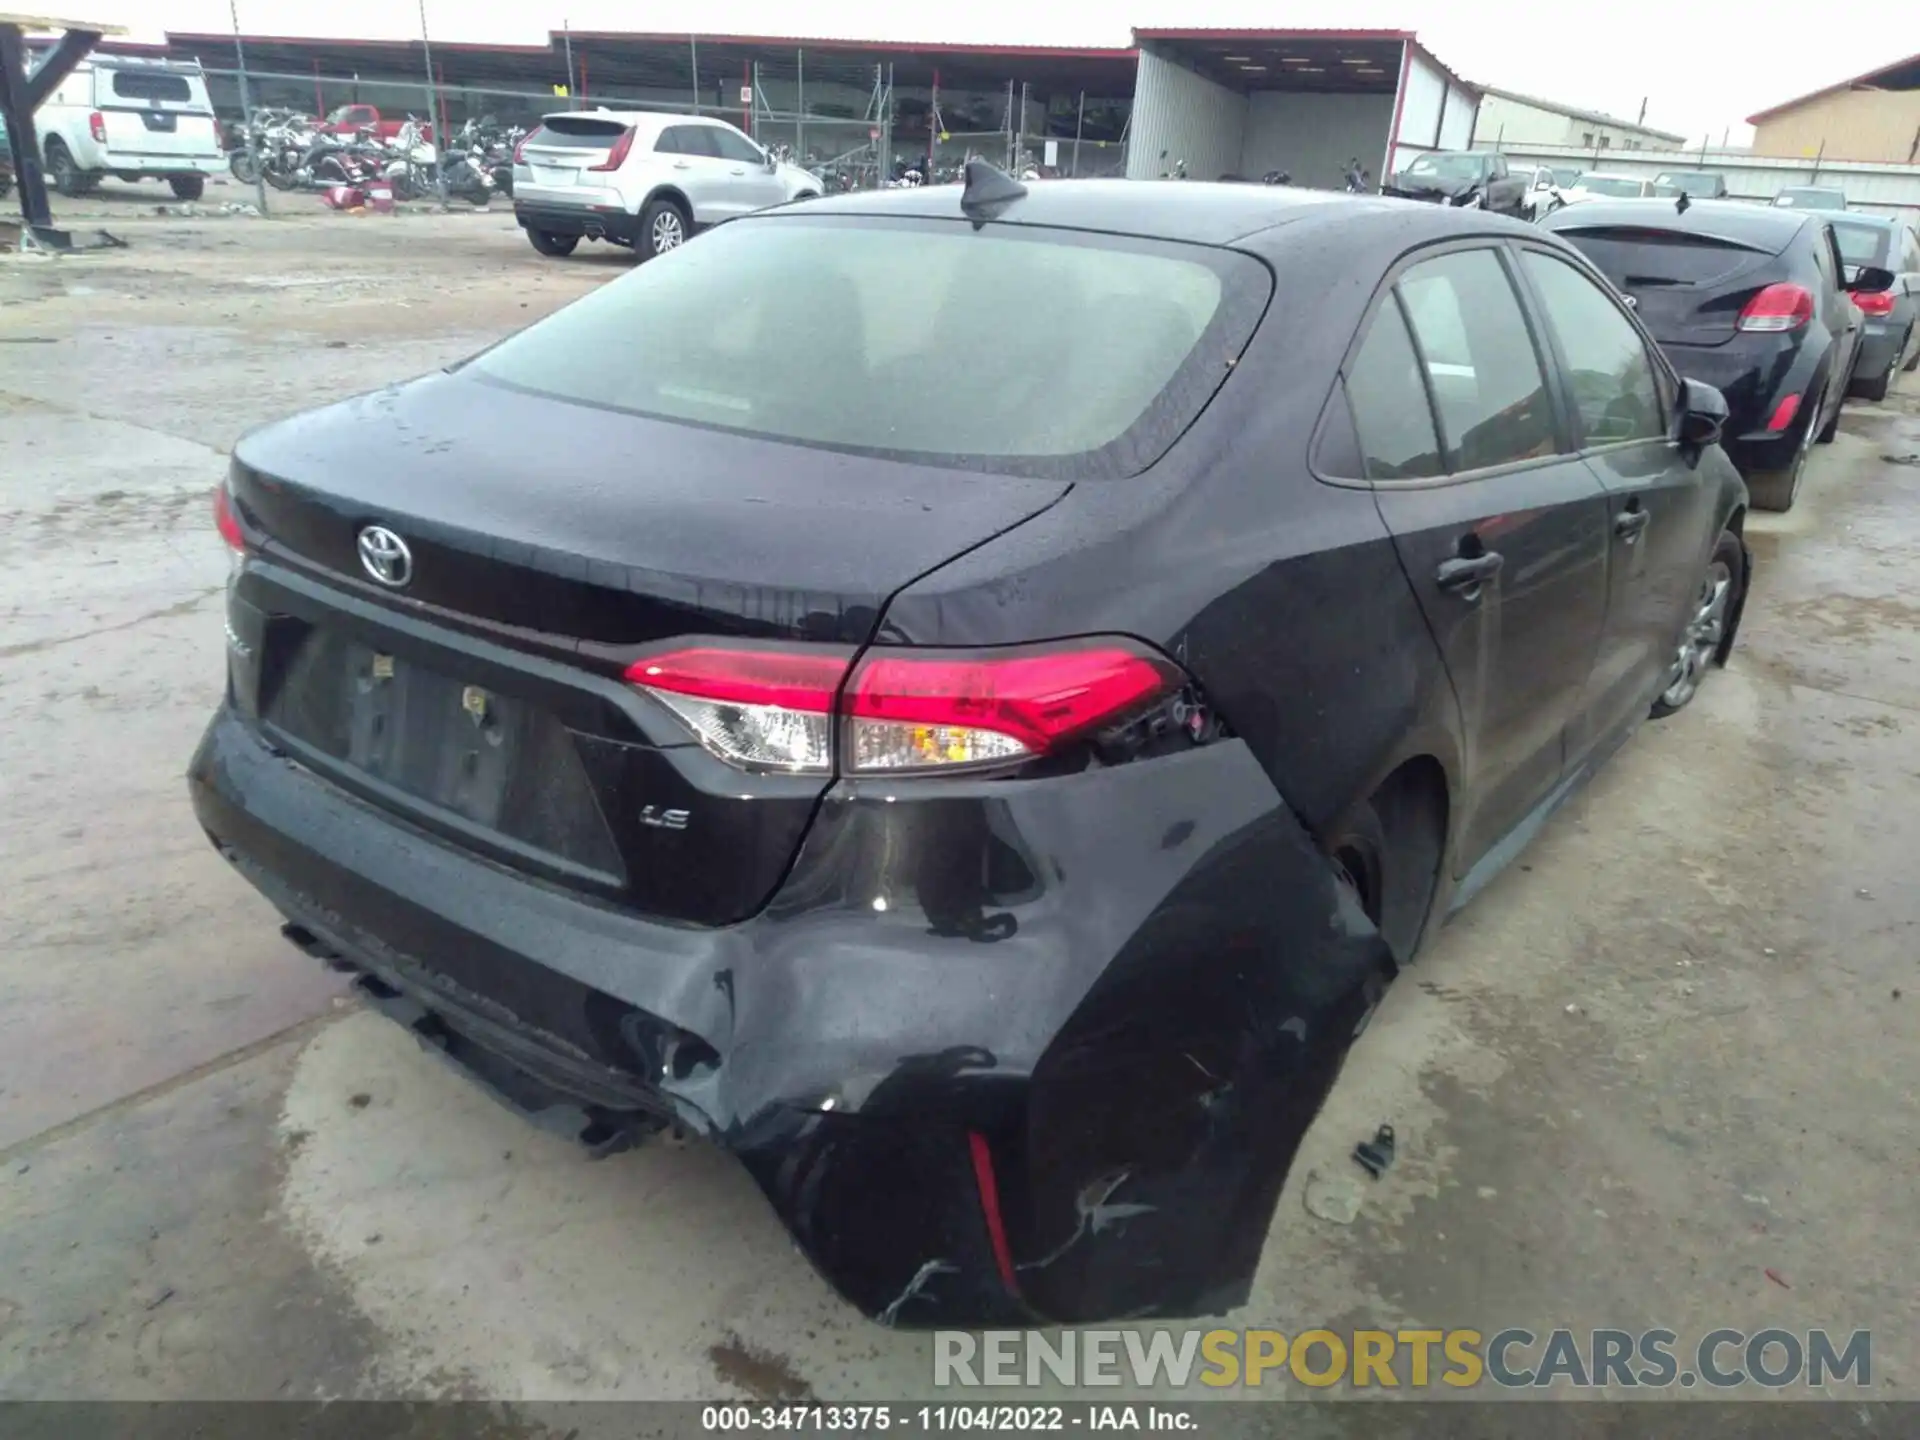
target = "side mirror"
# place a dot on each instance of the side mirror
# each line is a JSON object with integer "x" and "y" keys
{"x": 1701, "y": 416}
{"x": 1870, "y": 277}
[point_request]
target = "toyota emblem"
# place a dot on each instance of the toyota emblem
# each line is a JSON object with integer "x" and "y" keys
{"x": 385, "y": 556}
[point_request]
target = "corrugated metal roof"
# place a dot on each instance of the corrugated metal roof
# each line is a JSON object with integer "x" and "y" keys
{"x": 1572, "y": 112}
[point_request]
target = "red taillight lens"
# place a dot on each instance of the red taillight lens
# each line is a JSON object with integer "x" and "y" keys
{"x": 1784, "y": 306}
{"x": 520, "y": 150}
{"x": 901, "y": 711}
{"x": 617, "y": 156}
{"x": 226, "y": 521}
{"x": 97, "y": 126}
{"x": 1874, "y": 302}
{"x": 1783, "y": 413}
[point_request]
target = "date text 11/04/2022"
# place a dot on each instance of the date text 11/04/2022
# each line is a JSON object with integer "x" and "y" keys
{"x": 922, "y": 1419}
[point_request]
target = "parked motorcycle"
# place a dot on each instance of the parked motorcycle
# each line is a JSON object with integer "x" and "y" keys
{"x": 1359, "y": 181}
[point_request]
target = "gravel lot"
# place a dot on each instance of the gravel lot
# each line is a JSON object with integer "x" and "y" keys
{"x": 1668, "y": 1053}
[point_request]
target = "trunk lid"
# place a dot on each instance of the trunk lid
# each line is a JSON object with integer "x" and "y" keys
{"x": 154, "y": 113}
{"x": 549, "y": 544}
{"x": 565, "y": 145}
{"x": 1687, "y": 288}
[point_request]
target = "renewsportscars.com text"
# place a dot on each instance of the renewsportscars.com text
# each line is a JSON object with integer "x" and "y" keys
{"x": 1413, "y": 1359}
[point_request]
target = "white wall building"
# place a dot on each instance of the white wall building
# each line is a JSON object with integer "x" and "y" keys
{"x": 1506, "y": 119}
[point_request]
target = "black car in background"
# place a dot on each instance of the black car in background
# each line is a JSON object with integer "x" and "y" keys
{"x": 1753, "y": 300}
{"x": 1890, "y": 337}
{"x": 1476, "y": 178}
{"x": 991, "y": 821}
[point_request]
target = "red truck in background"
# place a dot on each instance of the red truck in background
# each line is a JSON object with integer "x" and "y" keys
{"x": 350, "y": 120}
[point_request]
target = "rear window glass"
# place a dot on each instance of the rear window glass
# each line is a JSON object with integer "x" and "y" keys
{"x": 1030, "y": 351}
{"x": 152, "y": 85}
{"x": 1862, "y": 244}
{"x": 578, "y": 132}
{"x": 1606, "y": 185}
{"x": 1694, "y": 182}
{"x": 1661, "y": 256}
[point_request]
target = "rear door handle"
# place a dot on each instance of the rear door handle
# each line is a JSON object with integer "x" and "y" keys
{"x": 1629, "y": 523}
{"x": 1465, "y": 575}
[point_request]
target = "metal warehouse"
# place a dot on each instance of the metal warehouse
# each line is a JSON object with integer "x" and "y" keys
{"x": 1212, "y": 102}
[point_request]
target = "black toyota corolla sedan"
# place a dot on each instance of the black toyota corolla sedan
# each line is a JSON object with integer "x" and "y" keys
{"x": 1751, "y": 300}
{"x": 964, "y": 697}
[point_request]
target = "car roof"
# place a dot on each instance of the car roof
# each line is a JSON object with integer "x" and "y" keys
{"x": 640, "y": 119}
{"x": 1196, "y": 212}
{"x": 1733, "y": 219}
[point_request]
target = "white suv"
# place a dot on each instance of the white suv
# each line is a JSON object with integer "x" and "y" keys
{"x": 642, "y": 179}
{"x": 133, "y": 118}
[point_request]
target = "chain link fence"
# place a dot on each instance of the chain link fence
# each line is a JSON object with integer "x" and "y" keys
{"x": 836, "y": 113}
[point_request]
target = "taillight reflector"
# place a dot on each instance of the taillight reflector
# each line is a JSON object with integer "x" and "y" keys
{"x": 1783, "y": 306}
{"x": 900, "y": 710}
{"x": 1874, "y": 302}
{"x": 225, "y": 520}
{"x": 617, "y": 156}
{"x": 97, "y": 127}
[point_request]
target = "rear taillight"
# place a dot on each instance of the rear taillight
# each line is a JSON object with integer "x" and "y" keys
{"x": 1784, "y": 306}
{"x": 617, "y": 156}
{"x": 225, "y": 520}
{"x": 901, "y": 711}
{"x": 1874, "y": 302}
{"x": 520, "y": 150}
{"x": 97, "y": 127}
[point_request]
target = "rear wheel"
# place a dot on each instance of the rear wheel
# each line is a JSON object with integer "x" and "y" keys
{"x": 1777, "y": 489}
{"x": 68, "y": 178}
{"x": 1387, "y": 855}
{"x": 1715, "y": 603}
{"x": 663, "y": 227}
{"x": 1832, "y": 427}
{"x": 1913, "y": 360}
{"x": 547, "y": 243}
{"x": 188, "y": 187}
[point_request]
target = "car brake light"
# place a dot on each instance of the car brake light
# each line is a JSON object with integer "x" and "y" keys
{"x": 1784, "y": 306}
{"x": 617, "y": 156}
{"x": 225, "y": 520}
{"x": 520, "y": 150}
{"x": 97, "y": 126}
{"x": 900, "y": 711}
{"x": 1783, "y": 413}
{"x": 1874, "y": 302}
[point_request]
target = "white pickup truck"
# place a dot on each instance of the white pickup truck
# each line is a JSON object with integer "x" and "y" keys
{"x": 132, "y": 118}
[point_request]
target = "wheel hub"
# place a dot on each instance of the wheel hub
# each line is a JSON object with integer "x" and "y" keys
{"x": 1701, "y": 639}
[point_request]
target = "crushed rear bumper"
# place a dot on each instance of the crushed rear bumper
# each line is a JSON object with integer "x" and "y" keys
{"x": 1058, "y": 1075}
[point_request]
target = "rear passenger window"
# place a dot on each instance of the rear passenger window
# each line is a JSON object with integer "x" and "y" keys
{"x": 696, "y": 140}
{"x": 1480, "y": 360}
{"x": 734, "y": 147}
{"x": 1607, "y": 362}
{"x": 152, "y": 85}
{"x": 1389, "y": 403}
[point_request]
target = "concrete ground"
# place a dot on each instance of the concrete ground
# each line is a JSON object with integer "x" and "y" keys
{"x": 1659, "y": 1074}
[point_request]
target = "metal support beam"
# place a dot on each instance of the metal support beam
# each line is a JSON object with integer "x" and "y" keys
{"x": 23, "y": 91}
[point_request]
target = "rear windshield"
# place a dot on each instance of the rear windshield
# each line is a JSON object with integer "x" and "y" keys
{"x": 1694, "y": 182}
{"x": 1862, "y": 244}
{"x": 1661, "y": 257}
{"x": 579, "y": 132}
{"x": 152, "y": 85}
{"x": 1030, "y": 351}
{"x": 1604, "y": 185}
{"x": 1811, "y": 200}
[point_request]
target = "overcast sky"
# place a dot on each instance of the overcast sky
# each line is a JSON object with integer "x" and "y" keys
{"x": 1702, "y": 67}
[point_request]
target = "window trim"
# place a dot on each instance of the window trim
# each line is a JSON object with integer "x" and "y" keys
{"x": 1661, "y": 365}
{"x": 1388, "y": 286}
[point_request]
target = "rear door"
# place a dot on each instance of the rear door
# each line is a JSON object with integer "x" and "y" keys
{"x": 154, "y": 115}
{"x": 697, "y": 168}
{"x": 751, "y": 184}
{"x": 1501, "y": 531}
{"x": 1661, "y": 522}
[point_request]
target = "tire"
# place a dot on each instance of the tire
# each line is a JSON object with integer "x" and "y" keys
{"x": 556, "y": 246}
{"x": 1776, "y": 490}
{"x": 242, "y": 165}
{"x": 1832, "y": 427}
{"x": 663, "y": 227}
{"x": 188, "y": 187}
{"x": 1876, "y": 388}
{"x": 1913, "y": 361}
{"x": 67, "y": 177}
{"x": 1703, "y": 639}
{"x": 1388, "y": 855}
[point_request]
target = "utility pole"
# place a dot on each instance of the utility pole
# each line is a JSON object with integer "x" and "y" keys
{"x": 251, "y": 131}
{"x": 433, "y": 102}
{"x": 566, "y": 31}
